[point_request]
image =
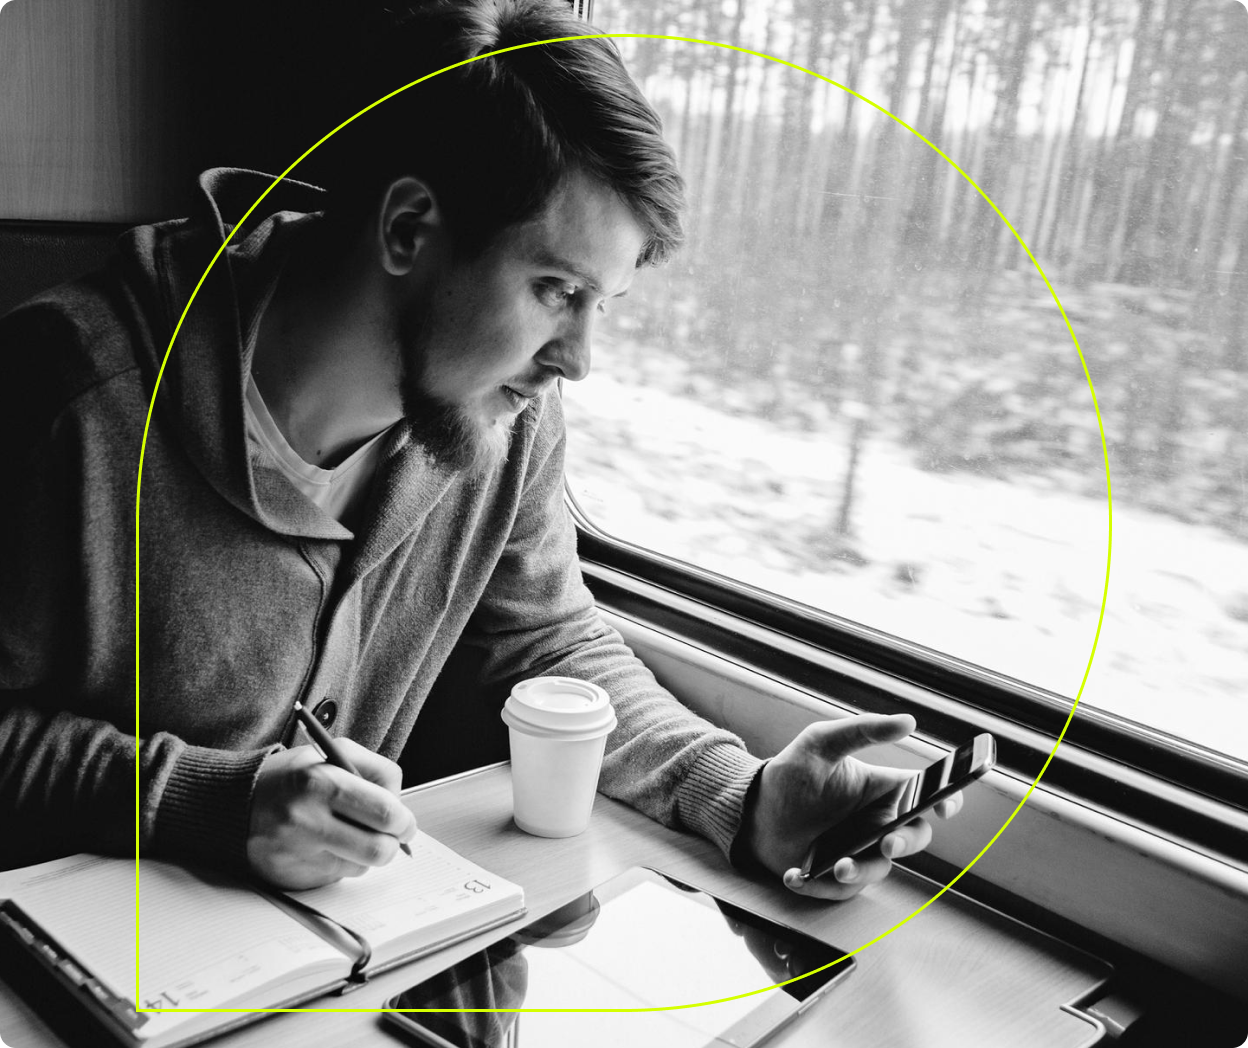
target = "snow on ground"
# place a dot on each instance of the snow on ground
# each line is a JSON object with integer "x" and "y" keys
{"x": 1006, "y": 575}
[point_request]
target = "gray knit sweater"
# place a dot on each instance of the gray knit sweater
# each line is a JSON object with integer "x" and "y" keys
{"x": 249, "y": 597}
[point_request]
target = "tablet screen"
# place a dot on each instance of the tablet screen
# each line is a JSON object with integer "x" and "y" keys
{"x": 640, "y": 941}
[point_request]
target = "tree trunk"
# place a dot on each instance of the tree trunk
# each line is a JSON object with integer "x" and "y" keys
{"x": 728, "y": 137}
{"x": 1064, "y": 189}
{"x": 1150, "y": 218}
{"x": 1039, "y": 168}
{"x": 1233, "y": 175}
{"x": 919, "y": 221}
{"x": 1003, "y": 134}
{"x": 1235, "y": 324}
{"x": 845, "y": 147}
{"x": 1110, "y": 197}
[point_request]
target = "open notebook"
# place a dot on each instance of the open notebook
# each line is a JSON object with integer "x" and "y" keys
{"x": 209, "y": 942}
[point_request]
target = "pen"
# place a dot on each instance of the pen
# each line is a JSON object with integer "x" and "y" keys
{"x": 330, "y": 750}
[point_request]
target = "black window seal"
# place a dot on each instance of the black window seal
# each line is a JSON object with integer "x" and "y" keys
{"x": 632, "y": 580}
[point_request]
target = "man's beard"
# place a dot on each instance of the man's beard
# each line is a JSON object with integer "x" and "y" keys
{"x": 454, "y": 441}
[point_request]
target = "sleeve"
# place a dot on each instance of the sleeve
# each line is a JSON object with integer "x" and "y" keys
{"x": 71, "y": 778}
{"x": 69, "y": 783}
{"x": 538, "y": 617}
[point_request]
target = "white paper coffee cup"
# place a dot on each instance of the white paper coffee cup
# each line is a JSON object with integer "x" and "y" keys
{"x": 558, "y": 731}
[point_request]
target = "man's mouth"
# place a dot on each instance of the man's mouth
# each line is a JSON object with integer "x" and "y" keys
{"x": 520, "y": 397}
{"x": 517, "y": 399}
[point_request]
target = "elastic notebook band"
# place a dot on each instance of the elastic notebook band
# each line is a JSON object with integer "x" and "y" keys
{"x": 357, "y": 977}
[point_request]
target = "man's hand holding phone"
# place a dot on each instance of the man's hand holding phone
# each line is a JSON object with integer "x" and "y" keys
{"x": 815, "y": 783}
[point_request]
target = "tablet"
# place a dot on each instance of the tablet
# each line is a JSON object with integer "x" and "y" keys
{"x": 642, "y": 940}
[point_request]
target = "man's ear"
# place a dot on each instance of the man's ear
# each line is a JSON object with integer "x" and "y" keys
{"x": 408, "y": 220}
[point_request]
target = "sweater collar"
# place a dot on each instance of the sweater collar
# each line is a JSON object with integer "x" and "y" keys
{"x": 203, "y": 385}
{"x": 208, "y": 272}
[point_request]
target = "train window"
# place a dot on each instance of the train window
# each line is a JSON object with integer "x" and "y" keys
{"x": 854, "y": 389}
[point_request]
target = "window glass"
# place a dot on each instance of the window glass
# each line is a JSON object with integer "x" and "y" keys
{"x": 854, "y": 389}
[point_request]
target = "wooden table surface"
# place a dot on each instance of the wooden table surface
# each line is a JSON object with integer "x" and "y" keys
{"x": 957, "y": 975}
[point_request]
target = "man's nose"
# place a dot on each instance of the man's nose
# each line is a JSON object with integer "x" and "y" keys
{"x": 569, "y": 351}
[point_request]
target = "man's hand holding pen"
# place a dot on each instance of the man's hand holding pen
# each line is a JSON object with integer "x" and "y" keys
{"x": 313, "y": 821}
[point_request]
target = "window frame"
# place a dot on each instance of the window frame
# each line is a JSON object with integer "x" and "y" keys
{"x": 1098, "y": 801}
{"x": 1197, "y": 769}
{"x": 1169, "y": 808}
{"x": 961, "y": 698}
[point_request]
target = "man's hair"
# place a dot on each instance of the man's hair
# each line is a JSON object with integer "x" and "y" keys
{"x": 496, "y": 137}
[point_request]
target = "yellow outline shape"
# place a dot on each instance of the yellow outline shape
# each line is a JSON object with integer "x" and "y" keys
{"x": 139, "y": 486}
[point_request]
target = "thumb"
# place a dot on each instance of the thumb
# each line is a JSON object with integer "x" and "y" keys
{"x": 835, "y": 740}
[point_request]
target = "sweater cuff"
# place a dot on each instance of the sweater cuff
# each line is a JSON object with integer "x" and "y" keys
{"x": 712, "y": 795}
{"x": 204, "y": 811}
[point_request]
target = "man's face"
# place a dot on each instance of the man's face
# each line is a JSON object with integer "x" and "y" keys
{"x": 494, "y": 332}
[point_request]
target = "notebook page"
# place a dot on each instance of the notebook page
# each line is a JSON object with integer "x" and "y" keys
{"x": 201, "y": 944}
{"x": 435, "y": 885}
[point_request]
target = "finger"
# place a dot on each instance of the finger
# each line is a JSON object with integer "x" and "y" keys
{"x": 341, "y": 820}
{"x": 829, "y": 888}
{"x": 364, "y": 803}
{"x": 950, "y": 806}
{"x": 835, "y": 740}
{"x": 851, "y": 874}
{"x": 373, "y": 766}
{"x": 859, "y": 870}
{"x": 355, "y": 846}
{"x": 909, "y": 839}
{"x": 336, "y": 867}
{"x": 297, "y": 870}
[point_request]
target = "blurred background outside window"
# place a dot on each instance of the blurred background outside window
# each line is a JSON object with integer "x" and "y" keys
{"x": 853, "y": 389}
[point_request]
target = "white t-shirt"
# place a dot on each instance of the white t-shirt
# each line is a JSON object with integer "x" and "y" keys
{"x": 339, "y": 492}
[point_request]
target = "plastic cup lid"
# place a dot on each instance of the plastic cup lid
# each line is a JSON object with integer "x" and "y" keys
{"x": 559, "y": 706}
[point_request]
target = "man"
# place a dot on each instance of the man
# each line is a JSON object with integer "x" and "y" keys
{"x": 353, "y": 464}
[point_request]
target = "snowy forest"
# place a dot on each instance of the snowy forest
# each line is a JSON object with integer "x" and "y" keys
{"x": 845, "y": 285}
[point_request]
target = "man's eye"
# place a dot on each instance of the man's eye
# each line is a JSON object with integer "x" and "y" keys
{"x": 555, "y": 294}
